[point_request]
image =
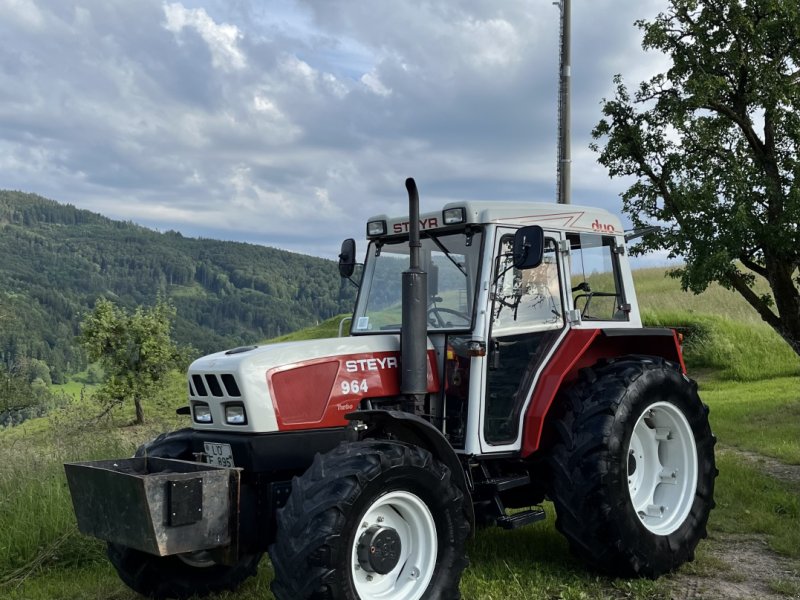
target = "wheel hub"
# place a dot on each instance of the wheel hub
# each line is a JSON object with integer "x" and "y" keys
{"x": 662, "y": 468}
{"x": 379, "y": 549}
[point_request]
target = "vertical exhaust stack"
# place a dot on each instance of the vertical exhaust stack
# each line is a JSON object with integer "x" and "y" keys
{"x": 414, "y": 330}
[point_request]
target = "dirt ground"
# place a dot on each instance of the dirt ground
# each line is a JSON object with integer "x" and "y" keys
{"x": 747, "y": 568}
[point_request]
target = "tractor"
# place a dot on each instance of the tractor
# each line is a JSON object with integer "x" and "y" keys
{"x": 496, "y": 358}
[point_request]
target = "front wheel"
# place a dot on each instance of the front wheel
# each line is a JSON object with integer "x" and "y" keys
{"x": 371, "y": 520}
{"x": 632, "y": 475}
{"x": 179, "y": 576}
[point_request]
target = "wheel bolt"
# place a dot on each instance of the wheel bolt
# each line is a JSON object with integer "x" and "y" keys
{"x": 369, "y": 577}
{"x": 379, "y": 519}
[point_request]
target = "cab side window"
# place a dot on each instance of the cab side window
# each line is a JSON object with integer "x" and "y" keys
{"x": 597, "y": 290}
{"x": 526, "y": 300}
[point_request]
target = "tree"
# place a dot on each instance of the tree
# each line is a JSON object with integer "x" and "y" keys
{"x": 134, "y": 349}
{"x": 713, "y": 146}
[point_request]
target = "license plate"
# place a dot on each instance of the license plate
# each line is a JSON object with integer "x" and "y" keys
{"x": 219, "y": 455}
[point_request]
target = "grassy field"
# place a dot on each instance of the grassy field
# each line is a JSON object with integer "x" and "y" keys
{"x": 750, "y": 379}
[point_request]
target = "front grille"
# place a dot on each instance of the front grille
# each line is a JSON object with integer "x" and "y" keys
{"x": 219, "y": 386}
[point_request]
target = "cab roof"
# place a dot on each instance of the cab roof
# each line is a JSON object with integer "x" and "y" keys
{"x": 563, "y": 217}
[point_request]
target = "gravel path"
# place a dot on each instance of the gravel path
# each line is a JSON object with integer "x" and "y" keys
{"x": 744, "y": 566}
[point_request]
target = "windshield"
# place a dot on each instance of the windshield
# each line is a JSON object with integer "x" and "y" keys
{"x": 452, "y": 268}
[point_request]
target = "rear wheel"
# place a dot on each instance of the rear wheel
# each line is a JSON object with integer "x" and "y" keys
{"x": 372, "y": 520}
{"x": 632, "y": 473}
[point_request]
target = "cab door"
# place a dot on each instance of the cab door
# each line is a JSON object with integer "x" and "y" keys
{"x": 526, "y": 320}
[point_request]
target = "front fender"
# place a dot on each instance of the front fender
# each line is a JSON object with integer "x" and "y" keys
{"x": 412, "y": 429}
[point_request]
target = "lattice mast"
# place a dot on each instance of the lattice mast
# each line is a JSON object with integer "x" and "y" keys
{"x": 563, "y": 166}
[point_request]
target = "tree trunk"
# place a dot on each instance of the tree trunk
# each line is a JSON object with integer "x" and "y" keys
{"x": 780, "y": 275}
{"x": 139, "y": 412}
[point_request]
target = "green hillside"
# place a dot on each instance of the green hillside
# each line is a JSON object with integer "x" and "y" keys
{"x": 57, "y": 260}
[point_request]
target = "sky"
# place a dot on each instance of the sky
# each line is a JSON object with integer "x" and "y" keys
{"x": 290, "y": 122}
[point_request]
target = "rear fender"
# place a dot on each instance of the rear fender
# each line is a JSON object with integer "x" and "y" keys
{"x": 412, "y": 429}
{"x": 582, "y": 348}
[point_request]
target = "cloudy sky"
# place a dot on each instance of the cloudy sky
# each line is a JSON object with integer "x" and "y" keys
{"x": 289, "y": 122}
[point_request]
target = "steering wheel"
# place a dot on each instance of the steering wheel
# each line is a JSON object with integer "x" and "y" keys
{"x": 435, "y": 316}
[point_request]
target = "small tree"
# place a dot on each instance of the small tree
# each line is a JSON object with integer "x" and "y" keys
{"x": 134, "y": 349}
{"x": 713, "y": 145}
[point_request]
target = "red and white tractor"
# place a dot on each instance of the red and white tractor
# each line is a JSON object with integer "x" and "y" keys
{"x": 496, "y": 358}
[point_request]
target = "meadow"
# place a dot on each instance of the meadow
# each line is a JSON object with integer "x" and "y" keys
{"x": 748, "y": 376}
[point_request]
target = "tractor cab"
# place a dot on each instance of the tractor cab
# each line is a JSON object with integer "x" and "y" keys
{"x": 505, "y": 282}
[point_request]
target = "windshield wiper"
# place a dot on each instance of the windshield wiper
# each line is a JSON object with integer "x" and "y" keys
{"x": 436, "y": 241}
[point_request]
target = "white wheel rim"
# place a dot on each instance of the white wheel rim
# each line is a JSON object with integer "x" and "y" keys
{"x": 662, "y": 468}
{"x": 412, "y": 520}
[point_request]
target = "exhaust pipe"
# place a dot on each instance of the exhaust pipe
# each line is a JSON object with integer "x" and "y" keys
{"x": 414, "y": 329}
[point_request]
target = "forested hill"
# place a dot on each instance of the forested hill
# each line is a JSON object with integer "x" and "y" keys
{"x": 56, "y": 260}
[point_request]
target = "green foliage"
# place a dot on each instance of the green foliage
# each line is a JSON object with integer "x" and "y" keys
{"x": 732, "y": 349}
{"x": 713, "y": 146}
{"x": 24, "y": 392}
{"x": 57, "y": 260}
{"x": 135, "y": 349}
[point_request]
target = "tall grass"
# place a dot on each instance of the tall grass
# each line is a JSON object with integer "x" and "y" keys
{"x": 37, "y": 523}
{"x": 739, "y": 351}
{"x": 36, "y": 519}
{"x": 657, "y": 291}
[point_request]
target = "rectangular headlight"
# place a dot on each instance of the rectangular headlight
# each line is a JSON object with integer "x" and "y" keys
{"x": 454, "y": 216}
{"x": 234, "y": 414}
{"x": 376, "y": 228}
{"x": 202, "y": 413}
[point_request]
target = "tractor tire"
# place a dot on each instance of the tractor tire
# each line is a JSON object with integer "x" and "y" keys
{"x": 632, "y": 470}
{"x": 176, "y": 576}
{"x": 371, "y": 519}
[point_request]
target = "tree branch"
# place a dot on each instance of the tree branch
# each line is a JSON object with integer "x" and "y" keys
{"x": 753, "y": 266}
{"x": 740, "y": 285}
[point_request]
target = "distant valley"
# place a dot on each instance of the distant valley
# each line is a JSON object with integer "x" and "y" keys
{"x": 57, "y": 260}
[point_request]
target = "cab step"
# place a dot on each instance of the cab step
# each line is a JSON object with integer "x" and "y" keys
{"x": 520, "y": 519}
{"x": 502, "y": 484}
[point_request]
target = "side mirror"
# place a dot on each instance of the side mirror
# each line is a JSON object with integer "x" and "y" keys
{"x": 347, "y": 258}
{"x": 528, "y": 247}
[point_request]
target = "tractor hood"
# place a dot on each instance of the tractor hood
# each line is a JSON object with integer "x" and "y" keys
{"x": 295, "y": 385}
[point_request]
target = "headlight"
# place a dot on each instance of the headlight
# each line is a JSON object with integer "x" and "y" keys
{"x": 202, "y": 413}
{"x": 235, "y": 415}
{"x": 454, "y": 216}
{"x": 376, "y": 228}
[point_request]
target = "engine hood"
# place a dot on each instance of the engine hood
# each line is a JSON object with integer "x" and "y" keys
{"x": 298, "y": 385}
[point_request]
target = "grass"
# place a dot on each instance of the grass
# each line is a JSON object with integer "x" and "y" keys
{"x": 660, "y": 293}
{"x": 732, "y": 350}
{"x": 326, "y": 329}
{"x": 749, "y": 501}
{"x": 760, "y": 416}
{"x": 750, "y": 379}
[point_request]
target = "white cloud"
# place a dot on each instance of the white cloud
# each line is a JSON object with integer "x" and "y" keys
{"x": 23, "y": 13}
{"x": 492, "y": 43}
{"x": 222, "y": 39}
{"x": 373, "y": 83}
